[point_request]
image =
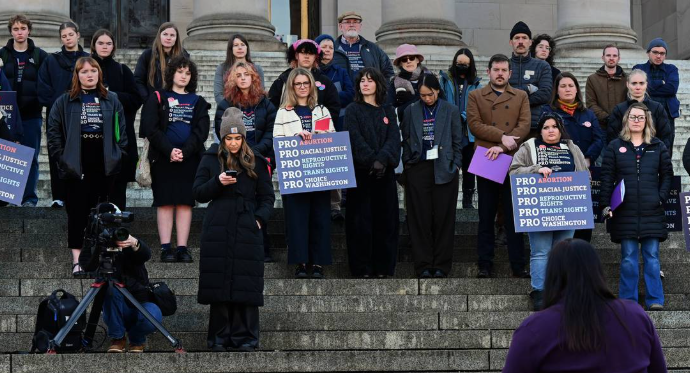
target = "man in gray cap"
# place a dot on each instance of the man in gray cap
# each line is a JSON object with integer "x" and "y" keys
{"x": 531, "y": 75}
{"x": 360, "y": 52}
{"x": 662, "y": 81}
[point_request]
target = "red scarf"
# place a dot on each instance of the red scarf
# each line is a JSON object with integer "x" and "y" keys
{"x": 568, "y": 108}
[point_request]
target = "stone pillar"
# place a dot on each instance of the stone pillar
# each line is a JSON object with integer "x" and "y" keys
{"x": 45, "y": 15}
{"x": 429, "y": 24}
{"x": 215, "y": 21}
{"x": 586, "y": 26}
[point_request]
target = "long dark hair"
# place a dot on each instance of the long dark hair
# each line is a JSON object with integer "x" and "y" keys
{"x": 574, "y": 275}
{"x": 578, "y": 95}
{"x": 244, "y": 160}
{"x": 158, "y": 56}
{"x": 381, "y": 85}
{"x": 230, "y": 57}
{"x": 178, "y": 63}
{"x": 431, "y": 81}
{"x": 471, "y": 74}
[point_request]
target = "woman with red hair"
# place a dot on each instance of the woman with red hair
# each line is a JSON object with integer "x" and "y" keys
{"x": 244, "y": 90}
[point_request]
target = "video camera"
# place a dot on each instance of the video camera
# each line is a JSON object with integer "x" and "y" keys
{"x": 103, "y": 229}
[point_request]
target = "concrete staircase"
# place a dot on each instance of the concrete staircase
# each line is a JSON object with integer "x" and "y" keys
{"x": 336, "y": 324}
{"x": 274, "y": 63}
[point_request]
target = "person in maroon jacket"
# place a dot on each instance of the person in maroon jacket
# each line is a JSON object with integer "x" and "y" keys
{"x": 583, "y": 327}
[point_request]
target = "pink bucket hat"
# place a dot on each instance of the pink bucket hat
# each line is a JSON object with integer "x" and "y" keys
{"x": 406, "y": 50}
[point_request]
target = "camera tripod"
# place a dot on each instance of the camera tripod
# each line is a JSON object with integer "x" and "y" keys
{"x": 97, "y": 293}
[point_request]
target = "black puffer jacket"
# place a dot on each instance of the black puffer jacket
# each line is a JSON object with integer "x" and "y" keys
{"x": 374, "y": 135}
{"x": 659, "y": 116}
{"x": 27, "y": 90}
{"x": 647, "y": 185}
{"x": 231, "y": 268}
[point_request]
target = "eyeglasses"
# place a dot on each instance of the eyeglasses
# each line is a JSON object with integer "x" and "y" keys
{"x": 301, "y": 84}
{"x": 657, "y": 53}
{"x": 544, "y": 47}
{"x": 407, "y": 59}
{"x": 637, "y": 118}
{"x": 351, "y": 22}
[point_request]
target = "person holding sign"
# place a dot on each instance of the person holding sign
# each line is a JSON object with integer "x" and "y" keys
{"x": 550, "y": 152}
{"x": 87, "y": 137}
{"x": 643, "y": 162}
{"x": 432, "y": 156}
{"x": 236, "y": 183}
{"x": 307, "y": 215}
{"x": 499, "y": 118}
{"x": 371, "y": 222}
{"x": 176, "y": 123}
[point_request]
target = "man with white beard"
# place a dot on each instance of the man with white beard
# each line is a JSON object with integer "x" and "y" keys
{"x": 360, "y": 52}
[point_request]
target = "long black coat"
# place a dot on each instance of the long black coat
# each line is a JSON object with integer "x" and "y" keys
{"x": 641, "y": 215}
{"x": 231, "y": 268}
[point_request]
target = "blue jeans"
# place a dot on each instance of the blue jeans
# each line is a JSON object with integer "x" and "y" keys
{"x": 540, "y": 244}
{"x": 120, "y": 317}
{"x": 630, "y": 270}
{"x": 32, "y": 139}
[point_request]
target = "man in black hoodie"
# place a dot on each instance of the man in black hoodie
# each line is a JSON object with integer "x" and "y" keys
{"x": 307, "y": 54}
{"x": 21, "y": 60}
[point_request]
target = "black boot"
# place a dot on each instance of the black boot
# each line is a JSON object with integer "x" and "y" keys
{"x": 467, "y": 196}
{"x": 537, "y": 297}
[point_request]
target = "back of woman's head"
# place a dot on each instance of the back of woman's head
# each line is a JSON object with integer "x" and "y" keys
{"x": 574, "y": 277}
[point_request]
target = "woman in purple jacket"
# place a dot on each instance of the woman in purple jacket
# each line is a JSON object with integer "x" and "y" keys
{"x": 583, "y": 327}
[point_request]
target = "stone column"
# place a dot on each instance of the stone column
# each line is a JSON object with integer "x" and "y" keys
{"x": 215, "y": 21}
{"x": 45, "y": 15}
{"x": 429, "y": 24}
{"x": 586, "y": 26}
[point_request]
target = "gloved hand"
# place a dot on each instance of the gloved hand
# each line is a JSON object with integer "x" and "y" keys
{"x": 402, "y": 96}
{"x": 531, "y": 88}
{"x": 463, "y": 115}
{"x": 378, "y": 169}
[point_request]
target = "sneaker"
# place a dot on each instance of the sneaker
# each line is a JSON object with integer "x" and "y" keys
{"x": 57, "y": 204}
{"x": 183, "y": 255}
{"x": 661, "y": 274}
{"x": 425, "y": 274}
{"x": 301, "y": 271}
{"x": 136, "y": 348}
{"x": 656, "y": 307}
{"x": 168, "y": 256}
{"x": 317, "y": 272}
{"x": 440, "y": 274}
{"x": 246, "y": 348}
{"x": 117, "y": 345}
{"x": 336, "y": 215}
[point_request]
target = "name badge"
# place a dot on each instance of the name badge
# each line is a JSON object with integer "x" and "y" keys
{"x": 95, "y": 99}
{"x": 174, "y": 102}
{"x": 432, "y": 153}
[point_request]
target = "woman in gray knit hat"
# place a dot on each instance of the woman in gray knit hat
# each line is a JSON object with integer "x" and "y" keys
{"x": 236, "y": 184}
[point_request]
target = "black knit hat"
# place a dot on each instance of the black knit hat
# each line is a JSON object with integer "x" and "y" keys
{"x": 521, "y": 28}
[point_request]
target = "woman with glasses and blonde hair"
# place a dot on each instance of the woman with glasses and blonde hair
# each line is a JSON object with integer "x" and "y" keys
{"x": 643, "y": 163}
{"x": 637, "y": 92}
{"x": 307, "y": 215}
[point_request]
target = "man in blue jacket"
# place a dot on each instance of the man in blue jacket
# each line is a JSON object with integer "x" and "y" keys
{"x": 21, "y": 60}
{"x": 663, "y": 81}
{"x": 360, "y": 52}
{"x": 531, "y": 75}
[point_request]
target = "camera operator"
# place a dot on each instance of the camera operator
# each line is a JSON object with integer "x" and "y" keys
{"x": 119, "y": 314}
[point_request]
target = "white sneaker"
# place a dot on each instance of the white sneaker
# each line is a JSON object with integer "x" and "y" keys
{"x": 57, "y": 204}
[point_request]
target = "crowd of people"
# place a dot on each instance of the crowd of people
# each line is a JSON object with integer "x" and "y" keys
{"x": 427, "y": 123}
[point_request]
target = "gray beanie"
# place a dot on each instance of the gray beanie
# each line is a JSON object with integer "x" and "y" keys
{"x": 658, "y": 42}
{"x": 232, "y": 123}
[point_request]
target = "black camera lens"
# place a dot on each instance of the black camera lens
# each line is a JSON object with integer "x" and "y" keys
{"x": 121, "y": 234}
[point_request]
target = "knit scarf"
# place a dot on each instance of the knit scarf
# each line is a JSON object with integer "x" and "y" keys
{"x": 404, "y": 78}
{"x": 568, "y": 108}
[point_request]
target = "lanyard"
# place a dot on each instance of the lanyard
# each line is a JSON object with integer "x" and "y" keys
{"x": 430, "y": 114}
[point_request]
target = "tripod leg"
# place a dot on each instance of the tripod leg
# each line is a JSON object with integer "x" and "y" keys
{"x": 81, "y": 308}
{"x": 175, "y": 342}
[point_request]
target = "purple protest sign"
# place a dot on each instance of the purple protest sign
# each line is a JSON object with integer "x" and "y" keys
{"x": 495, "y": 170}
{"x": 15, "y": 161}
{"x": 685, "y": 212}
{"x": 559, "y": 202}
{"x": 322, "y": 163}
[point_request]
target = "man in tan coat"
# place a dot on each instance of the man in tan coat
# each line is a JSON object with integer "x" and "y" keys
{"x": 499, "y": 117}
{"x": 606, "y": 88}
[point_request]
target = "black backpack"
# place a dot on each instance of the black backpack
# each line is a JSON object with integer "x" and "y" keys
{"x": 53, "y": 313}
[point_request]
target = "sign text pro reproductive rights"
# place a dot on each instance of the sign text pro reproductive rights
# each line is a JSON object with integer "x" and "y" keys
{"x": 562, "y": 201}
{"x": 322, "y": 163}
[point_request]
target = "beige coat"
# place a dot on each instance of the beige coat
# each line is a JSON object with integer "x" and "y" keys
{"x": 288, "y": 123}
{"x": 490, "y": 116}
{"x": 524, "y": 159}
